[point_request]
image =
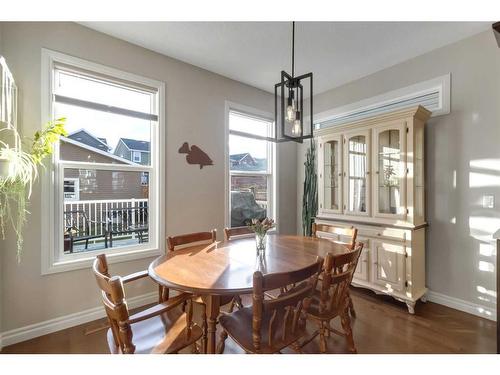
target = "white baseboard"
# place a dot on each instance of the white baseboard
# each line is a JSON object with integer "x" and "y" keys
{"x": 462, "y": 305}
{"x": 53, "y": 325}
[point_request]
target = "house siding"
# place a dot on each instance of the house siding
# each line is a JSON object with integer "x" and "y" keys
{"x": 122, "y": 151}
{"x": 100, "y": 184}
{"x": 72, "y": 152}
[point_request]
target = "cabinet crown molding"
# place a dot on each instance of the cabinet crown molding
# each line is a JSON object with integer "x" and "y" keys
{"x": 417, "y": 112}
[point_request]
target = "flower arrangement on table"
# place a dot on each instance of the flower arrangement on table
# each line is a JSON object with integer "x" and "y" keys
{"x": 260, "y": 228}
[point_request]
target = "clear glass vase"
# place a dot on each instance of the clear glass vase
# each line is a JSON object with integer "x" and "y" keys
{"x": 260, "y": 242}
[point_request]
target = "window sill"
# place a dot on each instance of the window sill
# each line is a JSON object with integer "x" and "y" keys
{"x": 66, "y": 265}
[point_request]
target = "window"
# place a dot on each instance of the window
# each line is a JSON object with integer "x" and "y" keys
{"x": 71, "y": 189}
{"x": 136, "y": 156}
{"x": 144, "y": 178}
{"x": 251, "y": 167}
{"x": 102, "y": 194}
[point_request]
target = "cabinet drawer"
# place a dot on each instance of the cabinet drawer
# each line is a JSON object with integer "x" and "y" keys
{"x": 386, "y": 233}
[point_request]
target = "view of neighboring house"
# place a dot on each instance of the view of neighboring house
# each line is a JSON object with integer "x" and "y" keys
{"x": 88, "y": 139}
{"x": 133, "y": 150}
{"x": 88, "y": 184}
{"x": 246, "y": 162}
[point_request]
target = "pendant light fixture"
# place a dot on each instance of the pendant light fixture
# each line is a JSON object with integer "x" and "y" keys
{"x": 289, "y": 119}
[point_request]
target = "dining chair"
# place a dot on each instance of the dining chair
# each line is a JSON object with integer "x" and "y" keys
{"x": 342, "y": 233}
{"x": 163, "y": 328}
{"x": 175, "y": 243}
{"x": 270, "y": 325}
{"x": 331, "y": 300}
{"x": 237, "y": 232}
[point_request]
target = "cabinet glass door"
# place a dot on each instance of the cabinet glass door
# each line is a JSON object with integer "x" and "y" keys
{"x": 390, "y": 171}
{"x": 357, "y": 171}
{"x": 331, "y": 173}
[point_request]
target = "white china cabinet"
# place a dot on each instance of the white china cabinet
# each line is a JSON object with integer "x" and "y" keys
{"x": 371, "y": 176}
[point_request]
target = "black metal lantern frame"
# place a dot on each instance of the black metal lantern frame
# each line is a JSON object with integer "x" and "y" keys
{"x": 292, "y": 85}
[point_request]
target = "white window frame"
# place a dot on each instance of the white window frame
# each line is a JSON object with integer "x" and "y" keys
{"x": 272, "y": 188}
{"x": 52, "y": 249}
{"x": 134, "y": 154}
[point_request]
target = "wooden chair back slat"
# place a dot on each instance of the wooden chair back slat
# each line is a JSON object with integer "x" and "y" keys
{"x": 286, "y": 311}
{"x": 237, "y": 231}
{"x": 350, "y": 233}
{"x": 278, "y": 280}
{"x": 113, "y": 299}
{"x": 337, "y": 276}
{"x": 184, "y": 239}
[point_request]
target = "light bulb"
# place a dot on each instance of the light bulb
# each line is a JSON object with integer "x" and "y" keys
{"x": 290, "y": 112}
{"x": 290, "y": 109}
{"x": 297, "y": 126}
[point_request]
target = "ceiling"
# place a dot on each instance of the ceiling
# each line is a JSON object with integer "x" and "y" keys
{"x": 255, "y": 52}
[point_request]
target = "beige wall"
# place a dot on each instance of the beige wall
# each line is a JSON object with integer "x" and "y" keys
{"x": 469, "y": 134}
{"x": 195, "y": 198}
{"x": 2, "y": 245}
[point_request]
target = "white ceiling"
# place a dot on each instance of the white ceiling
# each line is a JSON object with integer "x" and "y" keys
{"x": 256, "y": 52}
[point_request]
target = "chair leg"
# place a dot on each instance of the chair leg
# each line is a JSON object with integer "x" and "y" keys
{"x": 204, "y": 328}
{"x": 327, "y": 330}
{"x": 322, "y": 338}
{"x": 297, "y": 347}
{"x": 236, "y": 301}
{"x": 194, "y": 348}
{"x": 351, "y": 305}
{"x": 346, "y": 326}
{"x": 163, "y": 294}
{"x": 222, "y": 342}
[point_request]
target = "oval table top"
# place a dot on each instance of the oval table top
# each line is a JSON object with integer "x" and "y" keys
{"x": 227, "y": 267}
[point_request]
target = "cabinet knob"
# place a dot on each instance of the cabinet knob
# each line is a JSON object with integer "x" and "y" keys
{"x": 368, "y": 172}
{"x": 377, "y": 172}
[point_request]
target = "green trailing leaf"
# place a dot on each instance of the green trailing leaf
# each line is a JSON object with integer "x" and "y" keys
{"x": 22, "y": 170}
{"x": 43, "y": 142}
{"x": 310, "y": 195}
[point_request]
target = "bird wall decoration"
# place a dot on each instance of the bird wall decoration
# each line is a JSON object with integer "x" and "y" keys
{"x": 195, "y": 155}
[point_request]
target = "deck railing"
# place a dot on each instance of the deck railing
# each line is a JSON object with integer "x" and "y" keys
{"x": 100, "y": 212}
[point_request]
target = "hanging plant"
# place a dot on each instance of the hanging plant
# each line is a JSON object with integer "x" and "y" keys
{"x": 310, "y": 197}
{"x": 18, "y": 172}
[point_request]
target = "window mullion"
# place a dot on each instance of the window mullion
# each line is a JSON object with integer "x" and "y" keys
{"x": 105, "y": 166}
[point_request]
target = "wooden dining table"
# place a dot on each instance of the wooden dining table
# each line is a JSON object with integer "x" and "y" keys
{"x": 226, "y": 268}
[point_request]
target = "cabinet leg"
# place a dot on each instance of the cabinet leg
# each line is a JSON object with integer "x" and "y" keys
{"x": 423, "y": 298}
{"x": 411, "y": 307}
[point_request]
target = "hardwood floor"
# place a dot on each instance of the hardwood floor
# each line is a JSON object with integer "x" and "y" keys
{"x": 382, "y": 326}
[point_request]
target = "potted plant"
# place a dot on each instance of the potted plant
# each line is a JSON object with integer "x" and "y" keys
{"x": 19, "y": 170}
{"x": 310, "y": 194}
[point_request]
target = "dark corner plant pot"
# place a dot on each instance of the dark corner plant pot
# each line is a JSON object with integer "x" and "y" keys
{"x": 4, "y": 168}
